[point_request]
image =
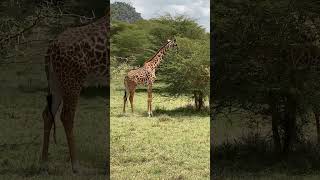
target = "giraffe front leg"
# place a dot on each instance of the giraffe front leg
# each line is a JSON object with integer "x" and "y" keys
{"x": 150, "y": 101}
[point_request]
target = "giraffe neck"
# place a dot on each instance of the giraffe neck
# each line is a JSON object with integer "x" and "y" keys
{"x": 154, "y": 62}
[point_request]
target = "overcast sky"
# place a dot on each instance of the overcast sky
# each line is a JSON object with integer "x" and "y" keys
{"x": 195, "y": 9}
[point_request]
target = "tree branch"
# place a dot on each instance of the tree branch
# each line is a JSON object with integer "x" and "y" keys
{"x": 5, "y": 40}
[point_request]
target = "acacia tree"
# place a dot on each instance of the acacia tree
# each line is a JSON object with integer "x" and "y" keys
{"x": 188, "y": 71}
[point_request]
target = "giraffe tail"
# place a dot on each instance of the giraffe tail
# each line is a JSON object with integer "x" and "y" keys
{"x": 125, "y": 95}
{"x": 49, "y": 102}
{"x": 125, "y": 90}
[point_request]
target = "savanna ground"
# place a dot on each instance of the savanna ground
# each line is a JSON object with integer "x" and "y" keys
{"x": 173, "y": 144}
{"x": 22, "y": 99}
{"x": 243, "y": 150}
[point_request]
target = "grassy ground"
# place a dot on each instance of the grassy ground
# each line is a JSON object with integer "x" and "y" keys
{"x": 174, "y": 144}
{"x": 242, "y": 152}
{"x": 22, "y": 100}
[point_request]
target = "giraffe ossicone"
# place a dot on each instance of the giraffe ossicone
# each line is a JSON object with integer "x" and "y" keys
{"x": 145, "y": 75}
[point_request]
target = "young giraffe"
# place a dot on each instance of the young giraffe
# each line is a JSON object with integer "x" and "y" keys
{"x": 70, "y": 58}
{"x": 145, "y": 75}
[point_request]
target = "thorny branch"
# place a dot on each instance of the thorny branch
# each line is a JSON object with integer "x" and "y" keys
{"x": 6, "y": 40}
{"x": 46, "y": 12}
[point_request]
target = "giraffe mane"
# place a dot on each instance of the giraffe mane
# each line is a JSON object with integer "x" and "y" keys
{"x": 156, "y": 53}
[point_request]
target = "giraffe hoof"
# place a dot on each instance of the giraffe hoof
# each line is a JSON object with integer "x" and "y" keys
{"x": 75, "y": 169}
{"x": 75, "y": 172}
{"x": 44, "y": 170}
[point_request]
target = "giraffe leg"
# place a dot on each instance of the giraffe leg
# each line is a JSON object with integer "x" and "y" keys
{"x": 47, "y": 122}
{"x": 150, "y": 101}
{"x": 131, "y": 100}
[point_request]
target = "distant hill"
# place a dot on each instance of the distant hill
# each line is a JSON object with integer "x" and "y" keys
{"x": 121, "y": 11}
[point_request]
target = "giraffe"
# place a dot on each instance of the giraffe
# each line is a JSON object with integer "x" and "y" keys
{"x": 71, "y": 57}
{"x": 145, "y": 75}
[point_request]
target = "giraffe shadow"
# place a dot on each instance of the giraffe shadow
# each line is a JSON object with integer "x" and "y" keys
{"x": 154, "y": 90}
{"x": 144, "y": 90}
{"x": 93, "y": 92}
{"x": 182, "y": 111}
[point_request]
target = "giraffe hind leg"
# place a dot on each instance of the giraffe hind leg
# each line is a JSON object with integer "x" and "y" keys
{"x": 130, "y": 88}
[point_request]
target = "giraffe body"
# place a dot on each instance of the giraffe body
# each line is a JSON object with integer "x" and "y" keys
{"x": 71, "y": 57}
{"x": 145, "y": 75}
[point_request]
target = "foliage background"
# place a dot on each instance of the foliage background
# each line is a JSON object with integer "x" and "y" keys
{"x": 265, "y": 88}
{"x": 135, "y": 42}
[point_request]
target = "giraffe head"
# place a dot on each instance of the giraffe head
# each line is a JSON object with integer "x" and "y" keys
{"x": 172, "y": 43}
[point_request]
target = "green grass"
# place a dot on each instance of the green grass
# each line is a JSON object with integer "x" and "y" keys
{"x": 23, "y": 92}
{"x": 173, "y": 144}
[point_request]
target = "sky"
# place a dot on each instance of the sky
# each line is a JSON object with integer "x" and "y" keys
{"x": 195, "y": 9}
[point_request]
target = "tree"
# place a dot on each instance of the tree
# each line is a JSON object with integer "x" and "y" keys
{"x": 188, "y": 71}
{"x": 131, "y": 42}
{"x": 266, "y": 69}
{"x": 122, "y": 11}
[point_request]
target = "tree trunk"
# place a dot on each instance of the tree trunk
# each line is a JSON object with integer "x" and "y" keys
{"x": 290, "y": 124}
{"x": 198, "y": 100}
{"x": 275, "y": 119}
{"x": 317, "y": 117}
{"x": 275, "y": 128}
{"x": 201, "y": 100}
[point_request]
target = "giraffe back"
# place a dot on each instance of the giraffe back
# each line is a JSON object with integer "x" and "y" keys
{"x": 81, "y": 51}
